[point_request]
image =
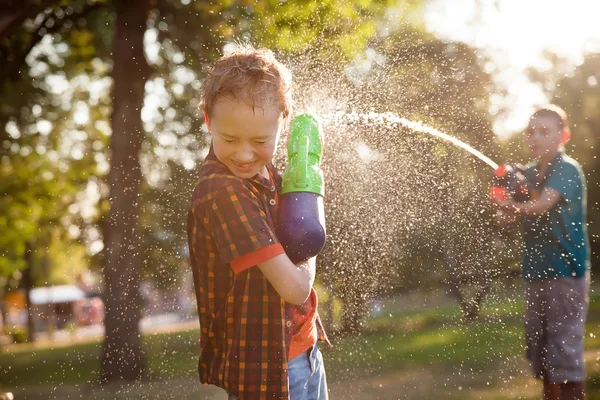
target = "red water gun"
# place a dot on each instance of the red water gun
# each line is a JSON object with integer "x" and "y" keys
{"x": 510, "y": 181}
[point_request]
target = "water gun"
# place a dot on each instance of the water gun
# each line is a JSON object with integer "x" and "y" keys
{"x": 301, "y": 221}
{"x": 510, "y": 181}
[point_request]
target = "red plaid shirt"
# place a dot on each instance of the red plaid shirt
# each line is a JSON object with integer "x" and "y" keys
{"x": 245, "y": 326}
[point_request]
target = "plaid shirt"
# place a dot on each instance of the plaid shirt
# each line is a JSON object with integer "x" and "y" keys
{"x": 245, "y": 326}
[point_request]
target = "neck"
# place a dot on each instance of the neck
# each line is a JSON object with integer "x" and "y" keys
{"x": 264, "y": 172}
{"x": 546, "y": 159}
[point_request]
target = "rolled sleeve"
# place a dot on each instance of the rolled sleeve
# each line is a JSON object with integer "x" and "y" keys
{"x": 241, "y": 229}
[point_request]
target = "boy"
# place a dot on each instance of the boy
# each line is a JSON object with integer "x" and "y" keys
{"x": 556, "y": 257}
{"x": 258, "y": 311}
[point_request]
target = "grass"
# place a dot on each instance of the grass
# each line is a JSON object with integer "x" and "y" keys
{"x": 169, "y": 355}
{"x": 429, "y": 349}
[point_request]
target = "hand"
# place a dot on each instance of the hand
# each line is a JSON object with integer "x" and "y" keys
{"x": 506, "y": 218}
{"x": 508, "y": 204}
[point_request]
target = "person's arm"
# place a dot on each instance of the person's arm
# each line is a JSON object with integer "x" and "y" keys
{"x": 292, "y": 282}
{"x": 547, "y": 201}
{"x": 506, "y": 218}
{"x": 244, "y": 239}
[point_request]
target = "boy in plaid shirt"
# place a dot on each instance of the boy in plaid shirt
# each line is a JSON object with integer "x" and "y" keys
{"x": 258, "y": 311}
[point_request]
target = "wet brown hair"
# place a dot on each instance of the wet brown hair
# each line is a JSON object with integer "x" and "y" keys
{"x": 250, "y": 75}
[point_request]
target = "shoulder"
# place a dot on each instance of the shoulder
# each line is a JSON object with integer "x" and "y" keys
{"x": 218, "y": 185}
{"x": 569, "y": 168}
{"x": 216, "y": 181}
{"x": 569, "y": 163}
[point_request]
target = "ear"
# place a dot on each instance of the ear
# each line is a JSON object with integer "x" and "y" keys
{"x": 566, "y": 135}
{"x": 206, "y": 119}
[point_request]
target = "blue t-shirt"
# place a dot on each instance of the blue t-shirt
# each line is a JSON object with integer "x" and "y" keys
{"x": 557, "y": 243}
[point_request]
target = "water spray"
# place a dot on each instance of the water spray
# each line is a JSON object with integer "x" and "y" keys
{"x": 509, "y": 179}
{"x": 301, "y": 221}
{"x": 390, "y": 118}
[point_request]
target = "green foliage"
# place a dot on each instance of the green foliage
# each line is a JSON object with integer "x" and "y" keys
{"x": 338, "y": 30}
{"x": 190, "y": 38}
{"x": 47, "y": 157}
{"x": 419, "y": 213}
{"x": 422, "y": 77}
{"x": 441, "y": 83}
{"x": 18, "y": 334}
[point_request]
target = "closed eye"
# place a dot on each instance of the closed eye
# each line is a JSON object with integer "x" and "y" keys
{"x": 228, "y": 139}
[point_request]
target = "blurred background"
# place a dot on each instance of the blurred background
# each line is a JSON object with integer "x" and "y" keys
{"x": 101, "y": 134}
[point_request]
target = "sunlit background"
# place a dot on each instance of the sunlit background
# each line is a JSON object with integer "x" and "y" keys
{"x": 418, "y": 288}
{"x": 517, "y": 35}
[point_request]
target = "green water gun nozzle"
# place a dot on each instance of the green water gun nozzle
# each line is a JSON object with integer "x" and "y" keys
{"x": 305, "y": 150}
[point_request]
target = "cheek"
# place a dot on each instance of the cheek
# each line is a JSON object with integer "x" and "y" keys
{"x": 266, "y": 152}
{"x": 221, "y": 148}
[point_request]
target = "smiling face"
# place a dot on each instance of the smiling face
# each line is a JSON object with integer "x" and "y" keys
{"x": 544, "y": 135}
{"x": 243, "y": 138}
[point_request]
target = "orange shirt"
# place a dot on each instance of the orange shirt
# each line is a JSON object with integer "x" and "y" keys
{"x": 304, "y": 325}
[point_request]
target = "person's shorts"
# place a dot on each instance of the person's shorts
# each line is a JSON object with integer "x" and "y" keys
{"x": 306, "y": 374}
{"x": 554, "y": 327}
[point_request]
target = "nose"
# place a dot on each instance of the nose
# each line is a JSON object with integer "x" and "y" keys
{"x": 534, "y": 138}
{"x": 244, "y": 154}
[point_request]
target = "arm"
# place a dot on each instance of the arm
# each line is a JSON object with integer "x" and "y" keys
{"x": 292, "y": 282}
{"x": 505, "y": 218}
{"x": 244, "y": 238}
{"x": 547, "y": 200}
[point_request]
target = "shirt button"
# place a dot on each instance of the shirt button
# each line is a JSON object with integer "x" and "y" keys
{"x": 288, "y": 323}
{"x": 272, "y": 189}
{"x": 272, "y": 202}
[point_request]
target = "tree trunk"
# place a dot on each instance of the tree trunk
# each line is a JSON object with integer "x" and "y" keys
{"x": 14, "y": 12}
{"x": 28, "y": 285}
{"x": 122, "y": 357}
{"x": 51, "y": 325}
{"x": 469, "y": 305}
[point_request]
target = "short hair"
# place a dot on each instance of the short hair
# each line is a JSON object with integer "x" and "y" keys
{"x": 250, "y": 75}
{"x": 552, "y": 111}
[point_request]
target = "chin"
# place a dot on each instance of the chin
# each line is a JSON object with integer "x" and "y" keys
{"x": 244, "y": 175}
{"x": 536, "y": 153}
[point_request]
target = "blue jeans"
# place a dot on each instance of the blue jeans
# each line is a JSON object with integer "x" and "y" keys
{"x": 306, "y": 374}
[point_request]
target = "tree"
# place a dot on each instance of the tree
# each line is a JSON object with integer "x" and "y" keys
{"x": 39, "y": 182}
{"x": 405, "y": 209}
{"x": 213, "y": 24}
{"x": 121, "y": 352}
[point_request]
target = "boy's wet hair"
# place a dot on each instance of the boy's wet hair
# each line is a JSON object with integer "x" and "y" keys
{"x": 552, "y": 111}
{"x": 250, "y": 75}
